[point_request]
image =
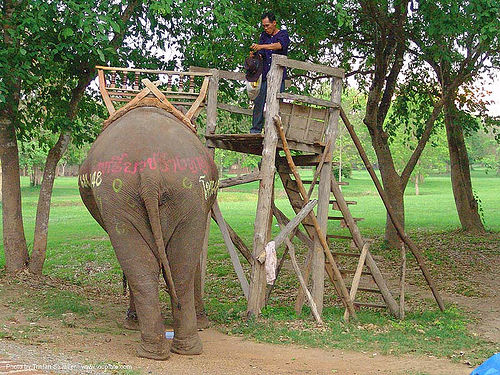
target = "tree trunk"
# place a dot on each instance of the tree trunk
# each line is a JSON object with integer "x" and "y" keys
{"x": 392, "y": 185}
{"x": 467, "y": 206}
{"x": 15, "y": 248}
{"x": 43, "y": 208}
{"x": 14, "y": 242}
{"x": 417, "y": 186}
{"x": 55, "y": 154}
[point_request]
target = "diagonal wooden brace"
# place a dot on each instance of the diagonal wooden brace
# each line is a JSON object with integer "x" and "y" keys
{"x": 290, "y": 227}
{"x": 162, "y": 98}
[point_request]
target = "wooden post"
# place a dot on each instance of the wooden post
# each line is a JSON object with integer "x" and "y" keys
{"x": 402, "y": 281}
{"x": 357, "y": 277}
{"x": 211, "y": 124}
{"x": 257, "y": 296}
{"x": 204, "y": 256}
{"x": 318, "y": 260}
{"x": 303, "y": 285}
{"x": 231, "y": 249}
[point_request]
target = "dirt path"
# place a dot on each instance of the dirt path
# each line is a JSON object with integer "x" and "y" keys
{"x": 222, "y": 355}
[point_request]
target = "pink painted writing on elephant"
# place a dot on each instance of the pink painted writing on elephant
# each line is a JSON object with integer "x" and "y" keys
{"x": 158, "y": 161}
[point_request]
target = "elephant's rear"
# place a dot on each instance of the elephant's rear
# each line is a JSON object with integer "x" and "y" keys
{"x": 145, "y": 154}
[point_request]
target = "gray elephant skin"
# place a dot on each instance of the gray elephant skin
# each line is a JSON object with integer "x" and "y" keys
{"x": 150, "y": 183}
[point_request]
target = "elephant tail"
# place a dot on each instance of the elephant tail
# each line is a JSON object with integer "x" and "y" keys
{"x": 151, "y": 204}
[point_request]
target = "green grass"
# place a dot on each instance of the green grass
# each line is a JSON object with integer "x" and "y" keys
{"x": 79, "y": 251}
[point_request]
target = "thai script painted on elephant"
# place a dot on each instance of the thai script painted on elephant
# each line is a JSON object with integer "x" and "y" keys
{"x": 88, "y": 180}
{"x": 210, "y": 187}
{"x": 159, "y": 160}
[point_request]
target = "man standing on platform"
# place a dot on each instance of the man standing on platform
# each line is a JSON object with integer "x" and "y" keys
{"x": 272, "y": 41}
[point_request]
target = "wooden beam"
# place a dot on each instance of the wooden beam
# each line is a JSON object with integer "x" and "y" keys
{"x": 390, "y": 211}
{"x": 238, "y": 242}
{"x": 290, "y": 227}
{"x": 263, "y": 216}
{"x": 145, "y": 92}
{"x": 402, "y": 281}
{"x": 213, "y": 88}
{"x": 165, "y": 101}
{"x": 234, "y": 181}
{"x": 153, "y": 71}
{"x": 283, "y": 219}
{"x": 357, "y": 277}
{"x": 235, "y": 109}
{"x": 235, "y": 76}
{"x": 299, "y": 161}
{"x": 199, "y": 100}
{"x": 302, "y": 282}
{"x": 104, "y": 92}
{"x": 302, "y": 65}
{"x": 308, "y": 100}
{"x": 230, "y": 247}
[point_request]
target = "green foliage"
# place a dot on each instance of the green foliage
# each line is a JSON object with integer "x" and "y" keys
{"x": 346, "y": 171}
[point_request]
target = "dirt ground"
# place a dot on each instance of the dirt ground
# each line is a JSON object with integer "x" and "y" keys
{"x": 79, "y": 344}
{"x": 222, "y": 355}
{"x": 76, "y": 346}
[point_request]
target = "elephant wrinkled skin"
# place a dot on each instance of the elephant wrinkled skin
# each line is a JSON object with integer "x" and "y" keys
{"x": 150, "y": 183}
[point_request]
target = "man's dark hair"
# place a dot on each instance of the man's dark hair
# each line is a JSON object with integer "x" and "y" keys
{"x": 269, "y": 15}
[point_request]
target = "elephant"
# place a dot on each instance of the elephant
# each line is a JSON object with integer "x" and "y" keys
{"x": 150, "y": 183}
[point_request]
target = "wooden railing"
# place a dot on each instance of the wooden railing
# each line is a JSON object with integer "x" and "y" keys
{"x": 121, "y": 85}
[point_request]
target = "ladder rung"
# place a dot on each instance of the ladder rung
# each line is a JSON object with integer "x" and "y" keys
{"x": 367, "y": 304}
{"x": 348, "y": 202}
{"x": 339, "y": 237}
{"x": 342, "y": 270}
{"x": 308, "y": 182}
{"x": 352, "y": 255}
{"x": 342, "y": 218}
{"x": 371, "y": 290}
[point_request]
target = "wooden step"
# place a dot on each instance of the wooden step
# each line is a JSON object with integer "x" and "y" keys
{"x": 336, "y": 207}
{"x": 367, "y": 304}
{"x": 346, "y": 271}
{"x": 341, "y": 254}
{"x": 339, "y": 237}
{"x": 342, "y": 218}
{"x": 308, "y": 182}
{"x": 365, "y": 289}
{"x": 332, "y": 201}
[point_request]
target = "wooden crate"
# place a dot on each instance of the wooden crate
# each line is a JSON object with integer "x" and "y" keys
{"x": 303, "y": 123}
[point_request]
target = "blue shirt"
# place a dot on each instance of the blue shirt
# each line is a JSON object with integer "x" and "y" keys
{"x": 281, "y": 37}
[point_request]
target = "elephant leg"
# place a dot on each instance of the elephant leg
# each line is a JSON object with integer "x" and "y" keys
{"x": 131, "y": 321}
{"x": 202, "y": 321}
{"x": 183, "y": 251}
{"x": 142, "y": 270}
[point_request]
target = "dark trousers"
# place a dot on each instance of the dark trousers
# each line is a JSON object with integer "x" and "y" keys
{"x": 258, "y": 107}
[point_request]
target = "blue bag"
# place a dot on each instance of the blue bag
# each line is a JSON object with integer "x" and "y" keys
{"x": 490, "y": 367}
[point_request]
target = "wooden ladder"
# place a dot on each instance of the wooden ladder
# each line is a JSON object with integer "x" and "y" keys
{"x": 366, "y": 266}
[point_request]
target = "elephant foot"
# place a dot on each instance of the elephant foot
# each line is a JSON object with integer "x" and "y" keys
{"x": 154, "y": 349}
{"x": 131, "y": 321}
{"x": 202, "y": 321}
{"x": 191, "y": 346}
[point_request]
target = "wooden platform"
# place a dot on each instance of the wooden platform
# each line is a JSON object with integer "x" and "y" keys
{"x": 252, "y": 143}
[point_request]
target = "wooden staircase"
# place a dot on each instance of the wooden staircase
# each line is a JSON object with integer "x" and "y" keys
{"x": 358, "y": 267}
